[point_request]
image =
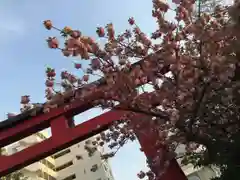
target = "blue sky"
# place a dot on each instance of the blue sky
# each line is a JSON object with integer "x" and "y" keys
{"x": 24, "y": 53}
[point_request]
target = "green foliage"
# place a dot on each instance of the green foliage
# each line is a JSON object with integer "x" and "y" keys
{"x": 230, "y": 172}
{"x": 221, "y": 118}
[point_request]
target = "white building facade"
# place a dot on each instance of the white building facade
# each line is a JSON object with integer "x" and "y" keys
{"x": 203, "y": 173}
{"x": 72, "y": 163}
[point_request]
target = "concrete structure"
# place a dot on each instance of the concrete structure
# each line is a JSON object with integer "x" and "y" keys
{"x": 71, "y": 163}
{"x": 205, "y": 173}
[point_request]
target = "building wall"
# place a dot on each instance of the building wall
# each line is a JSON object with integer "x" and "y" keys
{"x": 204, "y": 173}
{"x": 41, "y": 170}
{"x": 82, "y": 164}
{"x": 64, "y": 164}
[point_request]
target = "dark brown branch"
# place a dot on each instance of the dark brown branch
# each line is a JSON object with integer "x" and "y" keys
{"x": 198, "y": 105}
{"x": 147, "y": 112}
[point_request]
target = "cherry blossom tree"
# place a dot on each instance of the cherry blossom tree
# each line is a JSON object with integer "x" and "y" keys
{"x": 191, "y": 66}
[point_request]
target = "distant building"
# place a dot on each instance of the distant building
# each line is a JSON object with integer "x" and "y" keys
{"x": 72, "y": 163}
{"x": 203, "y": 173}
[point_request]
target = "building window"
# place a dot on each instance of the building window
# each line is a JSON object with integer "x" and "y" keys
{"x": 64, "y": 166}
{"x": 45, "y": 175}
{"x": 105, "y": 167}
{"x": 94, "y": 168}
{"x": 79, "y": 157}
{"x": 61, "y": 153}
{"x": 73, "y": 176}
{"x": 41, "y": 136}
{"x": 48, "y": 164}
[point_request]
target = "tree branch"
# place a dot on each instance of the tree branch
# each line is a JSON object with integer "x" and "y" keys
{"x": 148, "y": 112}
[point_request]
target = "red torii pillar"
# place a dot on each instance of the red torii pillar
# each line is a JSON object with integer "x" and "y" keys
{"x": 149, "y": 141}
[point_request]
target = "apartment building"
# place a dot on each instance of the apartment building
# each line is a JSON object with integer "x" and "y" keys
{"x": 72, "y": 163}
{"x": 75, "y": 163}
{"x": 202, "y": 173}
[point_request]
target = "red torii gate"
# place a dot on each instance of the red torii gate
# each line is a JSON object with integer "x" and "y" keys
{"x": 60, "y": 121}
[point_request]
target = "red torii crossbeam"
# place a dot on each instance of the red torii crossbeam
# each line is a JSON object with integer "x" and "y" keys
{"x": 64, "y": 136}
